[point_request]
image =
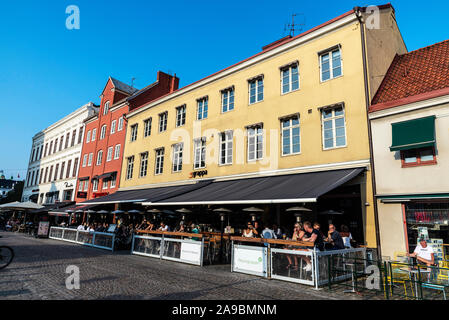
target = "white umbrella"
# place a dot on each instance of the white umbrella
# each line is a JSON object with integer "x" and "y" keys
{"x": 21, "y": 206}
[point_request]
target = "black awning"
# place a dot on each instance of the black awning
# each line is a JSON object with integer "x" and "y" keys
{"x": 57, "y": 206}
{"x": 83, "y": 178}
{"x": 149, "y": 194}
{"x": 107, "y": 175}
{"x": 302, "y": 187}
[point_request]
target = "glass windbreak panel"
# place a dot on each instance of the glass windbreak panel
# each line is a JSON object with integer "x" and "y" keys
{"x": 103, "y": 240}
{"x": 172, "y": 249}
{"x": 147, "y": 246}
{"x": 70, "y": 234}
{"x": 291, "y": 265}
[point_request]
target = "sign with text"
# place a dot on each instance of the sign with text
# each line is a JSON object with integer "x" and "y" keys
{"x": 250, "y": 260}
{"x": 191, "y": 252}
{"x": 42, "y": 231}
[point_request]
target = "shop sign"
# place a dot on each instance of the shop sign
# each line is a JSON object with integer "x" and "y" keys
{"x": 200, "y": 174}
{"x": 191, "y": 252}
{"x": 81, "y": 194}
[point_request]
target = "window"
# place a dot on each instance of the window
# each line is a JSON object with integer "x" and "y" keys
{"x": 255, "y": 142}
{"x": 56, "y": 172}
{"x": 73, "y": 138}
{"x": 143, "y": 164}
{"x": 226, "y": 147}
{"x": 41, "y": 175}
{"x": 61, "y": 142}
{"x": 290, "y": 78}
{"x": 80, "y": 186}
{"x": 46, "y": 173}
{"x": 255, "y": 89}
{"x": 56, "y": 146}
{"x": 106, "y": 108}
{"x": 69, "y": 165}
{"x": 86, "y": 185}
{"x": 88, "y": 136}
{"x": 177, "y": 157}
{"x": 99, "y": 157}
{"x": 109, "y": 155}
{"x": 61, "y": 175}
{"x": 51, "y": 147}
{"x": 159, "y": 167}
{"x": 50, "y": 176}
{"x": 103, "y": 132}
{"x": 418, "y": 157}
{"x": 75, "y": 167}
{"x": 113, "y": 126}
{"x": 334, "y": 127}
{"x": 85, "y": 160}
{"x": 89, "y": 162}
{"x": 113, "y": 181}
{"x": 134, "y": 132}
{"x": 147, "y": 127}
{"x": 80, "y": 135}
{"x": 180, "y": 116}
{"x": 95, "y": 185}
{"x": 199, "y": 153}
{"x": 117, "y": 152}
{"x": 130, "y": 168}
{"x": 120, "y": 124}
{"x": 45, "y": 150}
{"x": 202, "y": 108}
{"x": 290, "y": 136}
{"x": 330, "y": 64}
{"x": 227, "y": 99}
{"x": 105, "y": 183}
{"x": 94, "y": 134}
{"x": 163, "y": 121}
{"x": 32, "y": 155}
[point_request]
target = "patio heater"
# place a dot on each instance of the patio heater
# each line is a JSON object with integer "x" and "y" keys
{"x": 330, "y": 213}
{"x": 183, "y": 211}
{"x": 222, "y": 212}
{"x": 89, "y": 212}
{"x": 253, "y": 211}
{"x": 115, "y": 213}
{"x": 298, "y": 211}
{"x": 154, "y": 212}
{"x": 103, "y": 214}
{"x": 134, "y": 212}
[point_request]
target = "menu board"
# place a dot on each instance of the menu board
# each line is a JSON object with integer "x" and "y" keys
{"x": 42, "y": 231}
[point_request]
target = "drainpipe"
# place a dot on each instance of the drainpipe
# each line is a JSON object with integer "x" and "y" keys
{"x": 370, "y": 140}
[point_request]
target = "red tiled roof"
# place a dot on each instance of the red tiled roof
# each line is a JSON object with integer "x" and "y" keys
{"x": 414, "y": 76}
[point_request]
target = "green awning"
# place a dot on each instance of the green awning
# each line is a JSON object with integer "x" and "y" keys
{"x": 410, "y": 197}
{"x": 413, "y": 134}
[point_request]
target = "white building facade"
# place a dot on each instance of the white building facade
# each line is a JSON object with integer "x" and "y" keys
{"x": 55, "y": 157}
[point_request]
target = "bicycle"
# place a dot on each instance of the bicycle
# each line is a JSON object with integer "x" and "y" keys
{"x": 6, "y": 256}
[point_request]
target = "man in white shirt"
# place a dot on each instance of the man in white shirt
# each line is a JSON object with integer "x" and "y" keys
{"x": 80, "y": 228}
{"x": 424, "y": 254}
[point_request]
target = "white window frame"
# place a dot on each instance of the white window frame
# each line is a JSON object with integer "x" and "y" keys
{"x": 94, "y": 134}
{"x": 129, "y": 168}
{"x": 85, "y": 160}
{"x": 227, "y": 91}
{"x": 331, "y": 66}
{"x": 143, "y": 171}
{"x": 80, "y": 186}
{"x": 159, "y": 161}
{"x": 117, "y": 151}
{"x": 199, "y": 153}
{"x": 256, "y": 81}
{"x": 147, "y": 127}
{"x": 163, "y": 117}
{"x": 86, "y": 185}
{"x": 290, "y": 128}
{"x": 89, "y": 161}
{"x": 255, "y": 137}
{"x": 120, "y": 124}
{"x": 113, "y": 181}
{"x": 178, "y": 150}
{"x": 109, "y": 156}
{"x": 134, "y": 129}
{"x": 94, "y": 185}
{"x": 113, "y": 126}
{"x": 105, "y": 184}
{"x": 333, "y": 118}
{"x": 290, "y": 78}
{"x": 181, "y": 115}
{"x": 99, "y": 157}
{"x": 202, "y": 103}
{"x": 106, "y": 108}
{"x": 225, "y": 143}
{"x": 103, "y": 132}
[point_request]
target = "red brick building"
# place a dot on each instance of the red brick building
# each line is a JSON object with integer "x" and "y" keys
{"x": 104, "y": 139}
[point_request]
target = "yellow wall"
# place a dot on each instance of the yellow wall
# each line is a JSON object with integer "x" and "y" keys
{"x": 348, "y": 88}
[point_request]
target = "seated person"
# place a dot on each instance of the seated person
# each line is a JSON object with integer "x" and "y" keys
{"x": 423, "y": 253}
{"x": 249, "y": 231}
{"x": 314, "y": 236}
{"x": 163, "y": 227}
{"x": 267, "y": 233}
{"x": 80, "y": 227}
{"x": 334, "y": 238}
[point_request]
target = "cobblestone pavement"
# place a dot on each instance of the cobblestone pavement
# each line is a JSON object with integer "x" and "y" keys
{"x": 38, "y": 273}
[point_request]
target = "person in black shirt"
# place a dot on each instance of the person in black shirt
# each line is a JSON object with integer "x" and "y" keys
{"x": 314, "y": 236}
{"x": 334, "y": 238}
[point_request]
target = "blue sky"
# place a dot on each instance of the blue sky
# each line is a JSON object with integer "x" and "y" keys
{"x": 47, "y": 71}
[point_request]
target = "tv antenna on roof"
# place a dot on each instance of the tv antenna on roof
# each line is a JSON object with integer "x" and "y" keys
{"x": 132, "y": 82}
{"x": 293, "y": 27}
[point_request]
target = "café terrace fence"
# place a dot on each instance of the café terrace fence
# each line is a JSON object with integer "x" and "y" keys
{"x": 287, "y": 260}
{"x": 175, "y": 246}
{"x": 101, "y": 240}
{"x": 396, "y": 280}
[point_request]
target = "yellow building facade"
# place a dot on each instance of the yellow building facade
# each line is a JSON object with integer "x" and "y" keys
{"x": 315, "y": 102}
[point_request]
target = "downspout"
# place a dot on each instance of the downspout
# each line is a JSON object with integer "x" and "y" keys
{"x": 370, "y": 140}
